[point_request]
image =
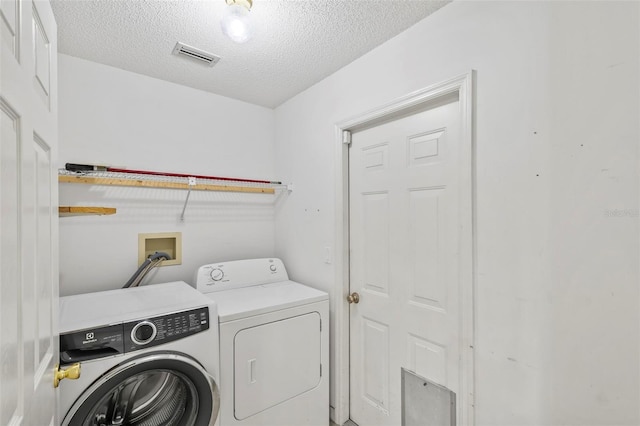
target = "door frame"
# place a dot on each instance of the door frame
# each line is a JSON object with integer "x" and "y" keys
{"x": 463, "y": 85}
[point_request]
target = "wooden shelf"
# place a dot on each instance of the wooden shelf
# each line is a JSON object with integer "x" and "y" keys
{"x": 164, "y": 181}
{"x": 160, "y": 184}
{"x": 66, "y": 211}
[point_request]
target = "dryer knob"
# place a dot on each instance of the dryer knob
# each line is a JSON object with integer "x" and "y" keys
{"x": 217, "y": 274}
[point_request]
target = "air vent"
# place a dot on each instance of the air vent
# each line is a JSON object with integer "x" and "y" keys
{"x": 201, "y": 56}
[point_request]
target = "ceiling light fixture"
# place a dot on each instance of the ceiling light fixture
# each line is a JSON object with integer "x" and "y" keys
{"x": 236, "y": 23}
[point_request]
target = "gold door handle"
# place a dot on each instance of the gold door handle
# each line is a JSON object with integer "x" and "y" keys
{"x": 353, "y": 298}
{"x": 73, "y": 372}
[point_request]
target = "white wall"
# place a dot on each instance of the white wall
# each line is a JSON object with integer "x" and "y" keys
{"x": 109, "y": 116}
{"x": 557, "y": 131}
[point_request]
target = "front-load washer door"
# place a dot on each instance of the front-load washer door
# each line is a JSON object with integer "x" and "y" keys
{"x": 275, "y": 362}
{"x": 158, "y": 389}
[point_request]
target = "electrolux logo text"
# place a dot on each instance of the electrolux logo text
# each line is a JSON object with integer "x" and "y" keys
{"x": 89, "y": 338}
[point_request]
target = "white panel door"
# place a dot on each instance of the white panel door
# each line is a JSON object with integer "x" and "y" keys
{"x": 29, "y": 217}
{"x": 403, "y": 188}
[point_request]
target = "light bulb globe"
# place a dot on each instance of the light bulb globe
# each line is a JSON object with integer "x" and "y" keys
{"x": 236, "y": 23}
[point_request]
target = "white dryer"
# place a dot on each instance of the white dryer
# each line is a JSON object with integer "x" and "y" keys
{"x": 274, "y": 344}
{"x": 148, "y": 356}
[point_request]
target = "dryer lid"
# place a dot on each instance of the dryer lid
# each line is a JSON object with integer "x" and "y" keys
{"x": 260, "y": 299}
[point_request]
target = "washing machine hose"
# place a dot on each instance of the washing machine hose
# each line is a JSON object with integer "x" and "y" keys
{"x": 151, "y": 262}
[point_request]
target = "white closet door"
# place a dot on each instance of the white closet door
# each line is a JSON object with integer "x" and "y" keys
{"x": 29, "y": 217}
{"x": 404, "y": 239}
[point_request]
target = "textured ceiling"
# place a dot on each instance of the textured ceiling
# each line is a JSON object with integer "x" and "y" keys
{"x": 295, "y": 44}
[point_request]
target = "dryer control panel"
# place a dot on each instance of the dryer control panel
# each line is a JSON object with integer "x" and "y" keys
{"x": 114, "y": 339}
{"x": 240, "y": 273}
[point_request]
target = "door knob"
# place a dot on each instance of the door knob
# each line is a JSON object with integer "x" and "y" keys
{"x": 353, "y": 298}
{"x": 73, "y": 372}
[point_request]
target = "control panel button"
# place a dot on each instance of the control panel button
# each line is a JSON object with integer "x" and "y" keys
{"x": 217, "y": 274}
{"x": 273, "y": 268}
{"x": 143, "y": 332}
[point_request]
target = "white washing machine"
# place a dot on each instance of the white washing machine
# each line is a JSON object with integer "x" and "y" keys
{"x": 148, "y": 356}
{"x": 274, "y": 344}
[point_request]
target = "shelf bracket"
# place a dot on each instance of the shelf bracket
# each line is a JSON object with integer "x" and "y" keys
{"x": 192, "y": 183}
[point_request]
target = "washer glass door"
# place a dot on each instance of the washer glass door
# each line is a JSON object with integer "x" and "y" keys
{"x": 156, "y": 398}
{"x": 153, "y": 390}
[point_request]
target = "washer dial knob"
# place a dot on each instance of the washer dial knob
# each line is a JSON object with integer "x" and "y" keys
{"x": 144, "y": 332}
{"x": 273, "y": 268}
{"x": 217, "y": 274}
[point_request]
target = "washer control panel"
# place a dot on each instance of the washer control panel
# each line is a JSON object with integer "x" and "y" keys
{"x": 167, "y": 328}
{"x": 114, "y": 339}
{"x": 240, "y": 273}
